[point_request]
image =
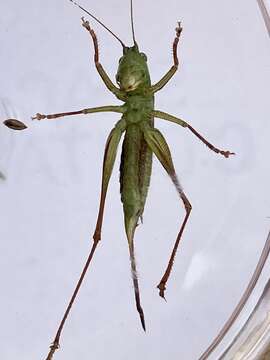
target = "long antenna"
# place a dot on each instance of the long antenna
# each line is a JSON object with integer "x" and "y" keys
{"x": 132, "y": 22}
{"x": 101, "y": 23}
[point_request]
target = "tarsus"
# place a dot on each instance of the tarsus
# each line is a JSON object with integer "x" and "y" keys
{"x": 100, "y": 22}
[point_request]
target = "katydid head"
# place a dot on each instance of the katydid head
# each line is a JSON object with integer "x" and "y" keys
{"x": 132, "y": 73}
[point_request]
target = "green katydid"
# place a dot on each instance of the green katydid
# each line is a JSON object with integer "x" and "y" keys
{"x": 141, "y": 141}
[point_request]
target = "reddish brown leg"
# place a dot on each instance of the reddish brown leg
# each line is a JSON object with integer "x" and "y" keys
{"x": 166, "y": 116}
{"x": 175, "y": 43}
{"x": 108, "y": 162}
{"x": 86, "y": 25}
{"x": 107, "y": 108}
{"x": 207, "y": 143}
{"x": 163, "y": 81}
{"x": 107, "y": 81}
{"x": 55, "y": 344}
{"x": 162, "y": 285}
{"x": 160, "y": 148}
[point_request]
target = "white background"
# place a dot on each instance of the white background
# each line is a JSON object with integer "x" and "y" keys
{"x": 51, "y": 176}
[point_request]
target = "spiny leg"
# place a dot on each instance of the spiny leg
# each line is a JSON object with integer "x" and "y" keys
{"x": 109, "y": 108}
{"x": 108, "y": 162}
{"x": 107, "y": 81}
{"x": 168, "y": 117}
{"x": 163, "y": 81}
{"x": 159, "y": 146}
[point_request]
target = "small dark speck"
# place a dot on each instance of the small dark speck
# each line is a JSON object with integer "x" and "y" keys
{"x": 2, "y": 176}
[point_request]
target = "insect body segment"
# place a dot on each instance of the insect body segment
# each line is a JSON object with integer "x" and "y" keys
{"x": 133, "y": 74}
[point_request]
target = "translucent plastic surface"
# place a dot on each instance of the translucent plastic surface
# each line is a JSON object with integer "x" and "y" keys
{"x": 51, "y": 174}
{"x": 253, "y": 342}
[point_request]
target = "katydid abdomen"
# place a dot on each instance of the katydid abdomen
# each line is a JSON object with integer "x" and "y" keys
{"x": 135, "y": 173}
{"x": 136, "y": 160}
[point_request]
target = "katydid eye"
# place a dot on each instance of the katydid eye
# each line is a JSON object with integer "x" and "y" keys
{"x": 120, "y": 59}
{"x": 143, "y": 56}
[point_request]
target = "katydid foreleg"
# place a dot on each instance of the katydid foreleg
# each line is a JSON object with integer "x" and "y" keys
{"x": 107, "y": 81}
{"x": 163, "y": 81}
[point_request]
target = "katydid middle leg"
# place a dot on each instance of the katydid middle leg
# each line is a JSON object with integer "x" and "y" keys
{"x": 168, "y": 117}
{"x": 108, "y": 108}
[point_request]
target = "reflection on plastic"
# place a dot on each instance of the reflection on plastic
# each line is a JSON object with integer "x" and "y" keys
{"x": 265, "y": 13}
{"x": 240, "y": 305}
{"x": 253, "y": 341}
